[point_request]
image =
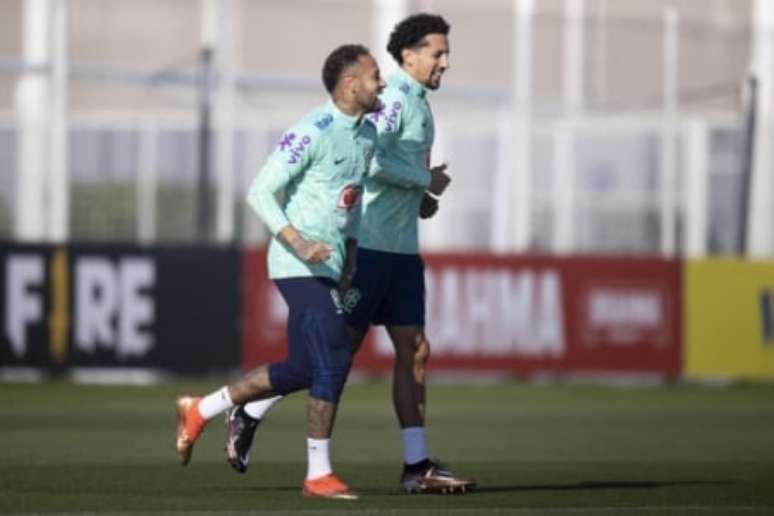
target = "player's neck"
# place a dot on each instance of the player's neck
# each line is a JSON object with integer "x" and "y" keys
{"x": 411, "y": 72}
{"x": 348, "y": 107}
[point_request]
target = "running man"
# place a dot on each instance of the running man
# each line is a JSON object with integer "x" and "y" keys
{"x": 389, "y": 287}
{"x": 319, "y": 167}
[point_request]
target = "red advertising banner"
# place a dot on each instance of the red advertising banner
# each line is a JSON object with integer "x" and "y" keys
{"x": 514, "y": 314}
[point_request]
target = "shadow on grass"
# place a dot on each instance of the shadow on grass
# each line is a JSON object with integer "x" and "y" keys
{"x": 590, "y": 486}
{"x": 578, "y": 486}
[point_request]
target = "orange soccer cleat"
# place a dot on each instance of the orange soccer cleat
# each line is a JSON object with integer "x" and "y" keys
{"x": 190, "y": 424}
{"x": 328, "y": 486}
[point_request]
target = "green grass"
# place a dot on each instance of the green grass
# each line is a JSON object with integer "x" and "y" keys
{"x": 534, "y": 450}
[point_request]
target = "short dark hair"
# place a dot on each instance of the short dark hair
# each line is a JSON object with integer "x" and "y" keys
{"x": 410, "y": 32}
{"x": 338, "y": 61}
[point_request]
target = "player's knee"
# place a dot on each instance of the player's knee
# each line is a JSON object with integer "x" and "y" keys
{"x": 328, "y": 384}
{"x": 328, "y": 380}
{"x": 285, "y": 378}
{"x": 421, "y": 350}
{"x": 420, "y": 359}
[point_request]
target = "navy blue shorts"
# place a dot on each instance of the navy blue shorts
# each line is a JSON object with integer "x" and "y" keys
{"x": 391, "y": 288}
{"x": 319, "y": 354}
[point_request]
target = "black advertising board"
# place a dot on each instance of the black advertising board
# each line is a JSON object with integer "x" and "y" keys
{"x": 169, "y": 308}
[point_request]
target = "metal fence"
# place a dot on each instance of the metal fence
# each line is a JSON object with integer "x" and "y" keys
{"x": 136, "y": 181}
{"x": 603, "y": 125}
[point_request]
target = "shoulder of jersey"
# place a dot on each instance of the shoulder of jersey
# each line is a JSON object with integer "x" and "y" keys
{"x": 392, "y": 101}
{"x": 396, "y": 91}
{"x": 302, "y": 135}
{"x": 312, "y": 124}
{"x": 317, "y": 121}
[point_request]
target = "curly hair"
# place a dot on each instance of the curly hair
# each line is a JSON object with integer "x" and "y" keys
{"x": 339, "y": 60}
{"x": 410, "y": 33}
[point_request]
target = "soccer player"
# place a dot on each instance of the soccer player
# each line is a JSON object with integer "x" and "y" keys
{"x": 319, "y": 168}
{"x": 389, "y": 285}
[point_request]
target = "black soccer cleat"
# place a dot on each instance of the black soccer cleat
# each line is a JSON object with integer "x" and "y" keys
{"x": 240, "y": 429}
{"x": 429, "y": 477}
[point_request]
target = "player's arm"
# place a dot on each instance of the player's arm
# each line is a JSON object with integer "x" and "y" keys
{"x": 291, "y": 158}
{"x": 350, "y": 266}
{"x": 351, "y": 231}
{"x": 428, "y": 207}
{"x": 387, "y": 166}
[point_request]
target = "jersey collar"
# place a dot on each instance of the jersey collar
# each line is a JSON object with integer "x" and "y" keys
{"x": 407, "y": 84}
{"x": 348, "y": 121}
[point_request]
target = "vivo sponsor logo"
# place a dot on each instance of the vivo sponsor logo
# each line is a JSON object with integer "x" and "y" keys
{"x": 295, "y": 152}
{"x": 492, "y": 312}
{"x": 390, "y": 118}
{"x": 288, "y": 142}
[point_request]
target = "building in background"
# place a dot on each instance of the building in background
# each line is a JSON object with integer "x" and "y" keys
{"x": 570, "y": 126}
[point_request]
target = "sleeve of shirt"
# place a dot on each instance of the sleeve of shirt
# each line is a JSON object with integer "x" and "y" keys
{"x": 295, "y": 152}
{"x": 387, "y": 166}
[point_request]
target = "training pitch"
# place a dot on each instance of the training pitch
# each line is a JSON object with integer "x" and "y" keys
{"x": 564, "y": 450}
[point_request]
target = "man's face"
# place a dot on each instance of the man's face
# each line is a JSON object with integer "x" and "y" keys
{"x": 427, "y": 63}
{"x": 367, "y": 84}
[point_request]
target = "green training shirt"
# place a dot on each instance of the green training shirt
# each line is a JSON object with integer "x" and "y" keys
{"x": 399, "y": 173}
{"x": 318, "y": 170}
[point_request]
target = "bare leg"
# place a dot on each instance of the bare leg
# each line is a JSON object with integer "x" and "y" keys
{"x": 255, "y": 385}
{"x": 320, "y": 416}
{"x": 412, "y": 350}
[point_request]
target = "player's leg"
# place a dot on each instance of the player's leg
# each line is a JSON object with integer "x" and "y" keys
{"x": 408, "y": 381}
{"x": 420, "y": 473}
{"x": 293, "y": 374}
{"x": 404, "y": 316}
{"x": 327, "y": 343}
{"x": 408, "y": 389}
{"x": 361, "y": 304}
{"x": 193, "y": 413}
{"x": 243, "y": 420}
{"x": 241, "y": 423}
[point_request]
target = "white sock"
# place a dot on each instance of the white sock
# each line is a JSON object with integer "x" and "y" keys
{"x": 258, "y": 409}
{"x": 414, "y": 448}
{"x": 318, "y": 458}
{"x": 215, "y": 403}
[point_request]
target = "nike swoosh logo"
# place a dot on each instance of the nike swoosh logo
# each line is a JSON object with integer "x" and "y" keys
{"x": 339, "y": 161}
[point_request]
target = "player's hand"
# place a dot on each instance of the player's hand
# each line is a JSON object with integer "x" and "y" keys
{"x": 310, "y": 251}
{"x": 428, "y": 207}
{"x": 439, "y": 180}
{"x": 345, "y": 283}
{"x": 348, "y": 270}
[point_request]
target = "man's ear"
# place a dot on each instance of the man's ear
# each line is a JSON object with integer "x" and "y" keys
{"x": 350, "y": 82}
{"x": 408, "y": 56}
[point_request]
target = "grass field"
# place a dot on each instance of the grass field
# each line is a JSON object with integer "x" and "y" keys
{"x": 534, "y": 450}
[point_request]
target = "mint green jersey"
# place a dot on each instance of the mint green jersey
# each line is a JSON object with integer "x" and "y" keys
{"x": 399, "y": 173}
{"x": 318, "y": 170}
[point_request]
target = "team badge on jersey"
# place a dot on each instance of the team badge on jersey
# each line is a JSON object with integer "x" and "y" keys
{"x": 350, "y": 196}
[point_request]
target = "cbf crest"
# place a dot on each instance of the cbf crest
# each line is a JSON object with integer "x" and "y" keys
{"x": 351, "y": 298}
